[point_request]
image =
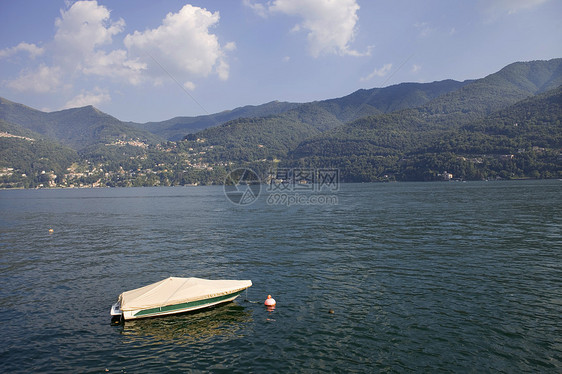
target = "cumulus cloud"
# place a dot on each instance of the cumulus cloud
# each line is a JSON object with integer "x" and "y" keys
{"x": 190, "y": 86}
{"x": 330, "y": 25}
{"x": 42, "y": 80}
{"x": 230, "y": 46}
{"x": 82, "y": 28}
{"x": 81, "y": 31}
{"x": 115, "y": 64}
{"x": 259, "y": 8}
{"x": 182, "y": 46}
{"x": 96, "y": 97}
{"x": 31, "y": 49}
{"x": 377, "y": 72}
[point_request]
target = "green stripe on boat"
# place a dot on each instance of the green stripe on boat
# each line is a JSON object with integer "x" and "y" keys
{"x": 191, "y": 304}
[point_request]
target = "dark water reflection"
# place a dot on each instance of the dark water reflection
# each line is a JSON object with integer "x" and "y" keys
{"x": 421, "y": 277}
{"x": 219, "y": 324}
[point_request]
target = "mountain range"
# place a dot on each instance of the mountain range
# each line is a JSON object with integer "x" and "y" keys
{"x": 401, "y": 131}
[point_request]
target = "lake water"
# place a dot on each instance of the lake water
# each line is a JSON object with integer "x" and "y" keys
{"x": 423, "y": 277}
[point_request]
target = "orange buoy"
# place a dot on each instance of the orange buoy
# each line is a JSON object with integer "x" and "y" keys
{"x": 270, "y": 301}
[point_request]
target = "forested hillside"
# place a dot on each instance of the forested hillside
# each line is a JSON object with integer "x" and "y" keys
{"x": 522, "y": 140}
{"x": 76, "y": 128}
{"x": 27, "y": 159}
{"x": 323, "y": 115}
{"x": 505, "y": 125}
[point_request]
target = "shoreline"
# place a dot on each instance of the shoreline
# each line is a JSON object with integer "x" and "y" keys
{"x": 265, "y": 184}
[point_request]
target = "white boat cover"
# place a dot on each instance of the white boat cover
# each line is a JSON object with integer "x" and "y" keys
{"x": 175, "y": 290}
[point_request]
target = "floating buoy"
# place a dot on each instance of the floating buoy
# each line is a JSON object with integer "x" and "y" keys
{"x": 331, "y": 311}
{"x": 270, "y": 301}
{"x": 51, "y": 231}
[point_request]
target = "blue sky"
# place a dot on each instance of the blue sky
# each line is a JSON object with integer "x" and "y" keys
{"x": 147, "y": 60}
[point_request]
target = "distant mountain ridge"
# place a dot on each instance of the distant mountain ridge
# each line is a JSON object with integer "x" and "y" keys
{"x": 507, "y": 124}
{"x": 447, "y": 106}
{"x": 176, "y": 128}
{"x": 331, "y": 112}
{"x": 513, "y": 83}
{"x": 86, "y": 126}
{"x": 507, "y": 86}
{"x": 77, "y": 127}
{"x": 362, "y": 103}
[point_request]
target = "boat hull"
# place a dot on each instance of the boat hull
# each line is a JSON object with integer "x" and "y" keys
{"x": 178, "y": 308}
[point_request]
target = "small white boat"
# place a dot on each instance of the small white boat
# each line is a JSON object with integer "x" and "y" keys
{"x": 176, "y": 295}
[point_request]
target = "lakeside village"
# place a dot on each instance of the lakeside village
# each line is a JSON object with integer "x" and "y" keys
{"x": 139, "y": 164}
{"x": 183, "y": 163}
{"x": 134, "y": 163}
{"x": 90, "y": 175}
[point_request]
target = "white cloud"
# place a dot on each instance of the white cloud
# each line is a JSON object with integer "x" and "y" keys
{"x": 189, "y": 86}
{"x": 115, "y": 64}
{"x": 81, "y": 29}
{"x": 223, "y": 70}
{"x": 230, "y": 46}
{"x": 75, "y": 50}
{"x": 331, "y": 25}
{"x": 98, "y": 96}
{"x": 380, "y": 72}
{"x": 510, "y": 6}
{"x": 260, "y": 9}
{"x": 416, "y": 68}
{"x": 44, "y": 79}
{"x": 31, "y": 49}
{"x": 182, "y": 46}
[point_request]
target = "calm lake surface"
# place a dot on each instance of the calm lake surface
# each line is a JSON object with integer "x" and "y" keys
{"x": 425, "y": 277}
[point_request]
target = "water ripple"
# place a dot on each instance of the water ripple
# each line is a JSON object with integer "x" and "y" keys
{"x": 420, "y": 277}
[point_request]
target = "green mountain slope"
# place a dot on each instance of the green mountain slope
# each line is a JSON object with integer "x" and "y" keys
{"x": 522, "y": 140}
{"x": 505, "y": 125}
{"x": 408, "y": 114}
{"x": 76, "y": 128}
{"x": 413, "y": 129}
{"x": 511, "y": 84}
{"x": 250, "y": 139}
{"x": 322, "y": 115}
{"x": 26, "y": 152}
{"x": 533, "y": 123}
{"x": 375, "y": 101}
{"x": 176, "y": 128}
